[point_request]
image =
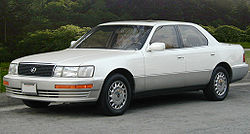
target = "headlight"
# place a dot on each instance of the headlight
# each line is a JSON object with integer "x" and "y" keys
{"x": 58, "y": 71}
{"x": 13, "y": 69}
{"x": 87, "y": 71}
{"x": 70, "y": 71}
{"x": 83, "y": 72}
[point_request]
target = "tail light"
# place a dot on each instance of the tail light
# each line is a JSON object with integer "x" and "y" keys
{"x": 244, "y": 58}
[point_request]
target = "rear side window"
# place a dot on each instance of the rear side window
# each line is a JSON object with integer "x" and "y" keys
{"x": 167, "y": 35}
{"x": 192, "y": 37}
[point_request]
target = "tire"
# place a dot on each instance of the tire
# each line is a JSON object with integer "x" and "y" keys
{"x": 218, "y": 87}
{"x": 115, "y": 96}
{"x": 36, "y": 104}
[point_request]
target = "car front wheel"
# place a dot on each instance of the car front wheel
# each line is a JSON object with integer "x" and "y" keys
{"x": 218, "y": 86}
{"x": 115, "y": 96}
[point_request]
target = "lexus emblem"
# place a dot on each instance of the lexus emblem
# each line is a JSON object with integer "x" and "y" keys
{"x": 33, "y": 70}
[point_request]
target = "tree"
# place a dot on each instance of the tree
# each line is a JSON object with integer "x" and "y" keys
{"x": 19, "y": 17}
{"x": 3, "y": 20}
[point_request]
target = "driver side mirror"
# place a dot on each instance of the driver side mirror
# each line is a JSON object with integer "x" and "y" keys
{"x": 72, "y": 43}
{"x": 157, "y": 46}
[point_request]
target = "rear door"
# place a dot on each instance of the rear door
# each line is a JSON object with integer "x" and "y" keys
{"x": 199, "y": 56}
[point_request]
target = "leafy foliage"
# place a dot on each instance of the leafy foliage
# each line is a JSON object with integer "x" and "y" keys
{"x": 5, "y": 54}
{"x": 248, "y": 31}
{"x": 3, "y": 71}
{"x": 50, "y": 40}
{"x": 228, "y": 34}
{"x": 210, "y": 29}
{"x": 22, "y": 22}
{"x": 26, "y": 16}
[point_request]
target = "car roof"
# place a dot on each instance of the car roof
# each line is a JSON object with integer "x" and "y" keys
{"x": 147, "y": 23}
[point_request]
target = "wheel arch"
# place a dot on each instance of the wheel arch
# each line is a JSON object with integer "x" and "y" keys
{"x": 227, "y": 67}
{"x": 125, "y": 73}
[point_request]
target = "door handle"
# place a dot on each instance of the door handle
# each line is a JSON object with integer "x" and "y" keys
{"x": 212, "y": 54}
{"x": 180, "y": 57}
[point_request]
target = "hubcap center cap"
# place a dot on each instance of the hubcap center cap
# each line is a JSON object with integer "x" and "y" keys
{"x": 118, "y": 93}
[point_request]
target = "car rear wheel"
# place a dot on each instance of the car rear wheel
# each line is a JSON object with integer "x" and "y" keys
{"x": 218, "y": 86}
{"x": 115, "y": 96}
{"x": 36, "y": 104}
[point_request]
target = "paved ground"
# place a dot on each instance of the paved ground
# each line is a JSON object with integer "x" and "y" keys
{"x": 182, "y": 113}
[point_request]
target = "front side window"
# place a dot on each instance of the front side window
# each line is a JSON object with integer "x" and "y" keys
{"x": 192, "y": 37}
{"x": 167, "y": 35}
{"x": 129, "y": 37}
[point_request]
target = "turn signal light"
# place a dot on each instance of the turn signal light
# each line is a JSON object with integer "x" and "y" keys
{"x": 74, "y": 86}
{"x": 6, "y": 83}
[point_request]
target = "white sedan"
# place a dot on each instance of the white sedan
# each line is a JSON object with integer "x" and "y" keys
{"x": 116, "y": 61}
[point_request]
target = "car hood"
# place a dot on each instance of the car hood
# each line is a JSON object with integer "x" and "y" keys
{"x": 74, "y": 57}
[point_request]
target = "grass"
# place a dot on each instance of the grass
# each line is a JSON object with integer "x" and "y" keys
{"x": 247, "y": 54}
{"x": 3, "y": 71}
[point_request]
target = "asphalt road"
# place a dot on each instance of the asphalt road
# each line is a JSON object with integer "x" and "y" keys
{"x": 179, "y": 113}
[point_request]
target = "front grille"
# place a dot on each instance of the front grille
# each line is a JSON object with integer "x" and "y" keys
{"x": 33, "y": 69}
{"x": 63, "y": 93}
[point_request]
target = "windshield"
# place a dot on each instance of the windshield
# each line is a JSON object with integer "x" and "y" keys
{"x": 115, "y": 37}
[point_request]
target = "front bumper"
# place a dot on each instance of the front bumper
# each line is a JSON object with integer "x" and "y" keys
{"x": 239, "y": 72}
{"x": 46, "y": 90}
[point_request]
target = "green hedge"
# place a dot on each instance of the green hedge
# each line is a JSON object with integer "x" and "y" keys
{"x": 49, "y": 40}
{"x": 228, "y": 34}
{"x": 42, "y": 41}
{"x": 210, "y": 29}
{"x": 3, "y": 71}
{"x": 248, "y": 31}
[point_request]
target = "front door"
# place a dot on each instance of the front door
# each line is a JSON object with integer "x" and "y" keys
{"x": 164, "y": 69}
